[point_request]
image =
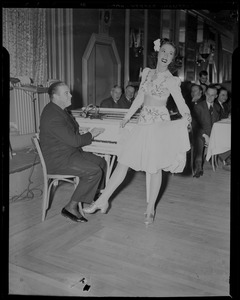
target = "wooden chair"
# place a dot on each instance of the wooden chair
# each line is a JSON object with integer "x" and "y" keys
{"x": 51, "y": 180}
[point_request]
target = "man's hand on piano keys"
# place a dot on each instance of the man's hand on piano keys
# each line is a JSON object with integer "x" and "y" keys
{"x": 123, "y": 122}
{"x": 96, "y": 131}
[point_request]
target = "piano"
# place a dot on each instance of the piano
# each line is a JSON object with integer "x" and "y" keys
{"x": 105, "y": 144}
{"x": 108, "y": 119}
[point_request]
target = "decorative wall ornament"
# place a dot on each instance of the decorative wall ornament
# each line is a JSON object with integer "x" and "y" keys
{"x": 206, "y": 52}
{"x": 136, "y": 41}
{"x": 105, "y": 18}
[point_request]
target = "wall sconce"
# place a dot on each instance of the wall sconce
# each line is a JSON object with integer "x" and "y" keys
{"x": 136, "y": 41}
{"x": 105, "y": 16}
{"x": 205, "y": 52}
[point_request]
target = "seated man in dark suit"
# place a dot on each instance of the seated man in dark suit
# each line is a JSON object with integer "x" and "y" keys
{"x": 113, "y": 101}
{"x": 127, "y": 98}
{"x": 205, "y": 113}
{"x": 223, "y": 103}
{"x": 196, "y": 95}
{"x": 61, "y": 145}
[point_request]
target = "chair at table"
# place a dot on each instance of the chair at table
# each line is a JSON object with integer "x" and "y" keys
{"x": 214, "y": 161}
{"x": 191, "y": 151}
{"x": 51, "y": 180}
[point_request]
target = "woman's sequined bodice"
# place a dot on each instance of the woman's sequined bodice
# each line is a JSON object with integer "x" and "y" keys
{"x": 153, "y": 94}
{"x": 155, "y": 85}
{"x": 155, "y": 91}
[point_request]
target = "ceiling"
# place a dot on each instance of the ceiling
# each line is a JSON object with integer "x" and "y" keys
{"x": 226, "y": 18}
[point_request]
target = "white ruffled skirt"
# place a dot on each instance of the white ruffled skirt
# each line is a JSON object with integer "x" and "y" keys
{"x": 151, "y": 146}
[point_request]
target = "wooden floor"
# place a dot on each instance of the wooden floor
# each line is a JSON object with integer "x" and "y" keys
{"x": 184, "y": 253}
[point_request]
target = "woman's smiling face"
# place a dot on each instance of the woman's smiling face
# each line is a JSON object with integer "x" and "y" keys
{"x": 166, "y": 54}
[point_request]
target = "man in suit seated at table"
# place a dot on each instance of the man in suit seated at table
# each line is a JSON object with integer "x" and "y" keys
{"x": 205, "y": 113}
{"x": 223, "y": 103}
{"x": 61, "y": 145}
{"x": 113, "y": 101}
{"x": 127, "y": 98}
{"x": 196, "y": 96}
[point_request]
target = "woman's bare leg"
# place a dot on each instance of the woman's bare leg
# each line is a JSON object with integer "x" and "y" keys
{"x": 115, "y": 180}
{"x": 155, "y": 185}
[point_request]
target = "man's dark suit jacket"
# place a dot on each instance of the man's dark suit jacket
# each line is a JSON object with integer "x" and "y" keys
{"x": 124, "y": 102}
{"x": 59, "y": 136}
{"x": 202, "y": 118}
{"x": 191, "y": 104}
{"x": 223, "y": 111}
{"x": 109, "y": 103}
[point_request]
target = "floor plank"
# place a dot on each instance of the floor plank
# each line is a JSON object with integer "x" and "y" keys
{"x": 185, "y": 252}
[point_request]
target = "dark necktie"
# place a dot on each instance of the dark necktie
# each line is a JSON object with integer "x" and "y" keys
{"x": 211, "y": 109}
{"x": 73, "y": 120}
{"x": 222, "y": 108}
{"x": 211, "y": 113}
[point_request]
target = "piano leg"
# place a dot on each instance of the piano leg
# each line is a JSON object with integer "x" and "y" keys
{"x": 110, "y": 159}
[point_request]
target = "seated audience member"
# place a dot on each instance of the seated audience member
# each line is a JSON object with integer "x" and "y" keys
{"x": 127, "y": 98}
{"x": 205, "y": 113}
{"x": 196, "y": 95}
{"x": 61, "y": 145}
{"x": 223, "y": 103}
{"x": 113, "y": 101}
{"x": 203, "y": 77}
{"x": 204, "y": 118}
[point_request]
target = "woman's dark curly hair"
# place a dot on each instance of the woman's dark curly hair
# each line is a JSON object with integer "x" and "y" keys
{"x": 153, "y": 57}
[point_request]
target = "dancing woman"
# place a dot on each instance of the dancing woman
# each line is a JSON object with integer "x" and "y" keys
{"x": 156, "y": 143}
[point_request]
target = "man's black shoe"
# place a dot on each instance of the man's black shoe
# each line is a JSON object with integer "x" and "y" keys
{"x": 71, "y": 216}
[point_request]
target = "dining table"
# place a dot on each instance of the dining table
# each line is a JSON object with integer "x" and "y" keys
{"x": 220, "y": 140}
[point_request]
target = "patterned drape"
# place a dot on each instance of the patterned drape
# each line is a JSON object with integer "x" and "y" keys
{"x": 60, "y": 45}
{"x": 24, "y": 36}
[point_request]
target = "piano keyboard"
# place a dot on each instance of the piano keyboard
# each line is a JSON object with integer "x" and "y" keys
{"x": 107, "y": 119}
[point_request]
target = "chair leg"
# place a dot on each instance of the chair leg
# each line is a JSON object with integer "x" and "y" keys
{"x": 192, "y": 160}
{"x": 47, "y": 194}
{"x": 214, "y": 162}
{"x": 76, "y": 182}
{"x": 45, "y": 199}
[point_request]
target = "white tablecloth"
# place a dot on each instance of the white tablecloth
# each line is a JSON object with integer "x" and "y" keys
{"x": 220, "y": 138}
